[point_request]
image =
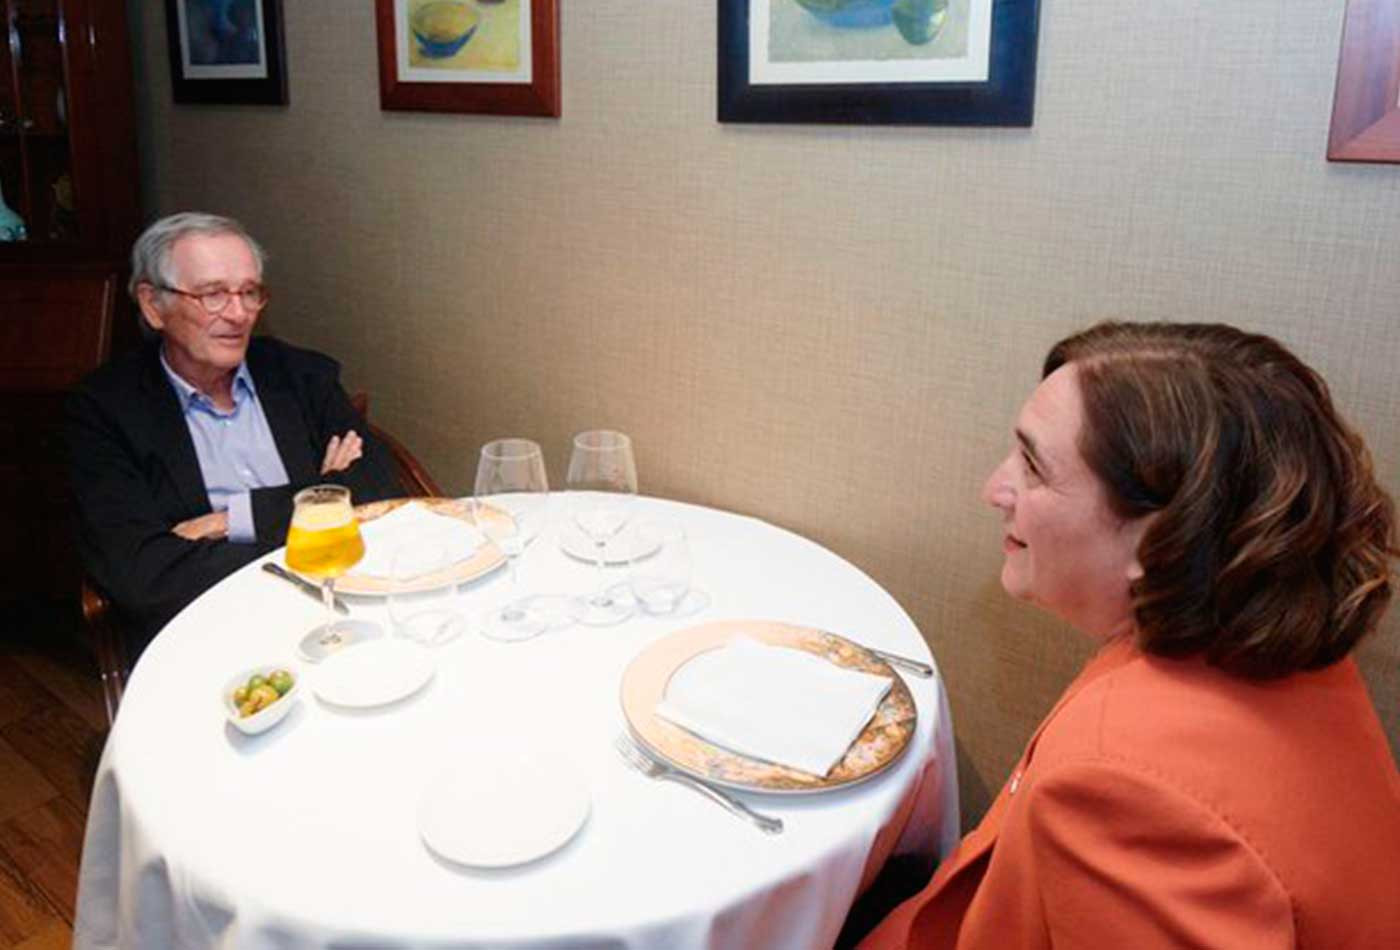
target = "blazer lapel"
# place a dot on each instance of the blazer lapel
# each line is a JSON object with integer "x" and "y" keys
{"x": 283, "y": 412}
{"x": 946, "y": 897}
{"x": 170, "y": 437}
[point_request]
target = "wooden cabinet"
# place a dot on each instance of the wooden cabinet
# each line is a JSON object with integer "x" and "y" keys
{"x": 67, "y": 142}
{"x": 55, "y": 327}
{"x": 68, "y": 170}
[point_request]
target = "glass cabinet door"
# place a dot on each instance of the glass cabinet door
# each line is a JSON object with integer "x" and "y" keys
{"x": 36, "y": 175}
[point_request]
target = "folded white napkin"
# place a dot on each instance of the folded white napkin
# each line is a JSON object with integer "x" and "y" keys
{"x": 773, "y": 703}
{"x": 413, "y": 522}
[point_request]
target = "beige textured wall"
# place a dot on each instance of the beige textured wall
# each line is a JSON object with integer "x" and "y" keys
{"x": 831, "y": 328}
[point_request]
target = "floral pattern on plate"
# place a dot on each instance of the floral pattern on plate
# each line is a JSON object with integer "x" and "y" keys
{"x": 882, "y": 742}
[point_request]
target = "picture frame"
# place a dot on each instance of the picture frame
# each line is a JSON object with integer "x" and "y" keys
{"x": 988, "y": 81}
{"x": 1366, "y": 106}
{"x": 495, "y": 57}
{"x": 226, "y": 51}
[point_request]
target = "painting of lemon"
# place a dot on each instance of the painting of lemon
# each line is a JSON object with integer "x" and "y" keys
{"x": 465, "y": 34}
{"x": 442, "y": 27}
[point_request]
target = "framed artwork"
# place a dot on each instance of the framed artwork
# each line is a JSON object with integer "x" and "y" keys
{"x": 227, "y": 51}
{"x": 884, "y": 62}
{"x": 1366, "y": 107}
{"x": 492, "y": 56}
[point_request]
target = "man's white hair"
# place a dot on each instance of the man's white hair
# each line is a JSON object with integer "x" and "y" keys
{"x": 150, "y": 255}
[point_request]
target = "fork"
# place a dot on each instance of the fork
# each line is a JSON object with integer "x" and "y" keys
{"x": 651, "y": 768}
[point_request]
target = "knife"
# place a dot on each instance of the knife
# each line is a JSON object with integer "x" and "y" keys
{"x": 917, "y": 667}
{"x": 305, "y": 586}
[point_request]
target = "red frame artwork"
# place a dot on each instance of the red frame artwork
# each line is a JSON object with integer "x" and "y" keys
{"x": 539, "y": 96}
{"x": 1366, "y": 110}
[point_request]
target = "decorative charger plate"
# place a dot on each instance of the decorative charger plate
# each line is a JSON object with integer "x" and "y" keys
{"x": 644, "y": 681}
{"x": 483, "y": 561}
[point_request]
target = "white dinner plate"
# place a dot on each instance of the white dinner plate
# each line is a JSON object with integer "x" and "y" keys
{"x": 629, "y": 545}
{"x": 373, "y": 674}
{"x": 515, "y": 809}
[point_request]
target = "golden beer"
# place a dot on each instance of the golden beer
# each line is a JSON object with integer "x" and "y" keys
{"x": 324, "y": 539}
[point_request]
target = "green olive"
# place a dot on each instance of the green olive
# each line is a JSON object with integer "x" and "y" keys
{"x": 281, "y": 681}
{"x": 240, "y": 696}
{"x": 256, "y": 680}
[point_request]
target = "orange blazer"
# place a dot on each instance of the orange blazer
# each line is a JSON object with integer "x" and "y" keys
{"x": 1163, "y": 803}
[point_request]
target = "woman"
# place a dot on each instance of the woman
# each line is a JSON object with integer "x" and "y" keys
{"x": 1216, "y": 776}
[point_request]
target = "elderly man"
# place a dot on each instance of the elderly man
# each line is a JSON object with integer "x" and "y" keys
{"x": 186, "y": 453}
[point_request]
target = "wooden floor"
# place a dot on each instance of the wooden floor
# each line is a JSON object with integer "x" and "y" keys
{"x": 52, "y": 727}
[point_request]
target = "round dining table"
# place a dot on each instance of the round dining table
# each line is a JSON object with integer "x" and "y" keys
{"x": 307, "y": 835}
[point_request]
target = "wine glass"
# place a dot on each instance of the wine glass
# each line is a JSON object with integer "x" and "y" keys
{"x": 602, "y": 483}
{"x": 324, "y": 542}
{"x": 510, "y": 506}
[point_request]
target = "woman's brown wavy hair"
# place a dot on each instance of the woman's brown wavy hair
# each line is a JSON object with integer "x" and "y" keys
{"x": 1271, "y": 547}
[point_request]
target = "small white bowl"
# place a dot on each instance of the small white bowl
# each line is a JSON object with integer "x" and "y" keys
{"x": 269, "y": 716}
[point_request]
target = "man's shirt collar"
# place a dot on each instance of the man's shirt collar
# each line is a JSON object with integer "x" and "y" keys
{"x": 192, "y": 398}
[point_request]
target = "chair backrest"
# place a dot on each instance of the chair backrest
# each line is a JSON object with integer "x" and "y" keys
{"x": 55, "y": 327}
{"x": 412, "y": 475}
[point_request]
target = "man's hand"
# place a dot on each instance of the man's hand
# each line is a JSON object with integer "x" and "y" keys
{"x": 210, "y": 527}
{"x": 341, "y": 452}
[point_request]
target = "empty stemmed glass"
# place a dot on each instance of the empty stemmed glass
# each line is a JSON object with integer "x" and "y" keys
{"x": 602, "y": 482}
{"x": 510, "y": 507}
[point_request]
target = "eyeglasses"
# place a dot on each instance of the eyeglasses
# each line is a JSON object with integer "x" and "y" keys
{"x": 215, "y": 302}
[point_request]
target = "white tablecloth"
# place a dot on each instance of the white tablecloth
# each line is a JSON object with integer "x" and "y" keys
{"x": 305, "y": 836}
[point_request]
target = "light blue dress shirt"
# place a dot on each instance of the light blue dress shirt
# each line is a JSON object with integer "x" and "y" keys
{"x": 235, "y": 449}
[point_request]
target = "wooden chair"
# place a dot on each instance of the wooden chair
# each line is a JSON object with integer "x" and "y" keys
{"x": 56, "y": 325}
{"x": 108, "y": 642}
{"x": 412, "y": 475}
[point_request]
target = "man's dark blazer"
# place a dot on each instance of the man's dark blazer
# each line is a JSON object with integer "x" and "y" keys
{"x": 136, "y": 475}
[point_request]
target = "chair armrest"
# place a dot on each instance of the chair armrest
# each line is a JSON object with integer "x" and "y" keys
{"x": 412, "y": 475}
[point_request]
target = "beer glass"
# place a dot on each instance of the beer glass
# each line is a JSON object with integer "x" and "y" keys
{"x": 602, "y": 482}
{"x": 660, "y": 567}
{"x": 422, "y": 606}
{"x": 324, "y": 542}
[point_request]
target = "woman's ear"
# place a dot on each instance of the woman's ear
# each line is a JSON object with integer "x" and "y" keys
{"x": 1136, "y": 530}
